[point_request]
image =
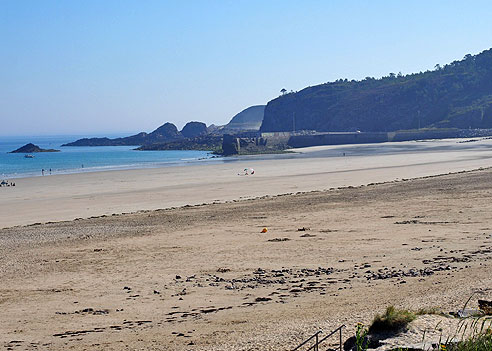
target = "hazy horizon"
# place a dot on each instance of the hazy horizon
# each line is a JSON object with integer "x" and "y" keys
{"x": 121, "y": 67}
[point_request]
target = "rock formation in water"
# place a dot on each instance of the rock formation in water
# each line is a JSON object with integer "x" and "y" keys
{"x": 30, "y": 149}
{"x": 165, "y": 133}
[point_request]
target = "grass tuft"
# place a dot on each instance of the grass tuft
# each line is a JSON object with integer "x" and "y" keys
{"x": 393, "y": 320}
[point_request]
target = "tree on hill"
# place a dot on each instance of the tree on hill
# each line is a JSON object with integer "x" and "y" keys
{"x": 457, "y": 95}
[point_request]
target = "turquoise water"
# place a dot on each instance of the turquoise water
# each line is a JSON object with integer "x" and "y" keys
{"x": 84, "y": 159}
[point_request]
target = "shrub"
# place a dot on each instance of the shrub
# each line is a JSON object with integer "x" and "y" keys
{"x": 393, "y": 320}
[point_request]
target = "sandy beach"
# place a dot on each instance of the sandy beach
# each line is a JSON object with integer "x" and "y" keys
{"x": 339, "y": 248}
{"x": 71, "y": 196}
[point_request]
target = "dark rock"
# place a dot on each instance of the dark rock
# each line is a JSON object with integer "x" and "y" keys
{"x": 203, "y": 142}
{"x": 194, "y": 129}
{"x": 166, "y": 132}
{"x": 485, "y": 306}
{"x": 31, "y": 148}
{"x": 370, "y": 342}
{"x": 230, "y": 145}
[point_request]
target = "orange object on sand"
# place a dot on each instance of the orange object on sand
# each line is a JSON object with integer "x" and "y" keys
{"x": 264, "y": 230}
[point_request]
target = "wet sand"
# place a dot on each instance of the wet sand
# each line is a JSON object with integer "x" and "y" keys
{"x": 67, "y": 197}
{"x": 206, "y": 278}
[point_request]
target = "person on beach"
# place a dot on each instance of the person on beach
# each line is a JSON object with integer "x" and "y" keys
{"x": 42, "y": 171}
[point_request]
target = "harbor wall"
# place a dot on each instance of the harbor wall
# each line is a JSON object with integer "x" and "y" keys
{"x": 317, "y": 139}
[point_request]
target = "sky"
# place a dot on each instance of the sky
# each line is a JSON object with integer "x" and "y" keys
{"x": 91, "y": 67}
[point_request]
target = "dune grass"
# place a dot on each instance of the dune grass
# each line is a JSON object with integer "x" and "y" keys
{"x": 477, "y": 343}
{"x": 473, "y": 333}
{"x": 480, "y": 338}
{"x": 393, "y": 320}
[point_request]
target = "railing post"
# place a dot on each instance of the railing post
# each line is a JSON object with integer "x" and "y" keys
{"x": 316, "y": 346}
{"x": 341, "y": 338}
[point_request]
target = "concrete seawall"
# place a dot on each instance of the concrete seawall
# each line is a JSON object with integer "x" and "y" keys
{"x": 380, "y": 137}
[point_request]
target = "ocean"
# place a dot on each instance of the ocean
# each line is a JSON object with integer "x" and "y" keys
{"x": 85, "y": 159}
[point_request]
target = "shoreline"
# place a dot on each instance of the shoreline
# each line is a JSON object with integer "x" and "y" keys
{"x": 66, "y": 197}
{"x": 312, "y": 151}
{"x": 260, "y": 197}
{"x": 122, "y": 167}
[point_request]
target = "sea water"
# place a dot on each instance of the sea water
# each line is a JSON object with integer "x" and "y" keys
{"x": 77, "y": 159}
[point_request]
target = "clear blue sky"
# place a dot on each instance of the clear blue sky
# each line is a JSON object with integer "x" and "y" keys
{"x": 94, "y": 67}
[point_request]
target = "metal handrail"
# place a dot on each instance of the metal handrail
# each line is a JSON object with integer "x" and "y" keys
{"x": 307, "y": 340}
{"x": 326, "y": 337}
{"x": 318, "y": 342}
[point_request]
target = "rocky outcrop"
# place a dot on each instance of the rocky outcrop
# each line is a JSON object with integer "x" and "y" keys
{"x": 165, "y": 133}
{"x": 211, "y": 143}
{"x": 30, "y": 149}
{"x": 194, "y": 129}
{"x": 230, "y": 145}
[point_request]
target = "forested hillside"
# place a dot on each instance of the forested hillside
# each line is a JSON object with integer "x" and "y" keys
{"x": 457, "y": 95}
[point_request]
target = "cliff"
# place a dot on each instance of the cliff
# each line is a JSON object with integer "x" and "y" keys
{"x": 248, "y": 119}
{"x": 457, "y": 95}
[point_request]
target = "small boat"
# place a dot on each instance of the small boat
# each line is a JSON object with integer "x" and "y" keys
{"x": 29, "y": 156}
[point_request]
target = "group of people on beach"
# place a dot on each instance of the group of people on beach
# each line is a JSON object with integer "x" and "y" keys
{"x": 6, "y": 183}
{"x": 45, "y": 171}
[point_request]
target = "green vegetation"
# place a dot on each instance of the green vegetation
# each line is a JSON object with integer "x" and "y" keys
{"x": 472, "y": 334}
{"x": 361, "y": 342}
{"x": 479, "y": 336}
{"x": 393, "y": 320}
{"x": 481, "y": 342}
{"x": 456, "y": 95}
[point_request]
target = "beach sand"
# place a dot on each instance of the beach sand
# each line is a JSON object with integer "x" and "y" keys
{"x": 206, "y": 278}
{"x": 71, "y": 196}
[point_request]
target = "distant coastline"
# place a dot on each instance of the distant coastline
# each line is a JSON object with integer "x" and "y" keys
{"x": 73, "y": 160}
